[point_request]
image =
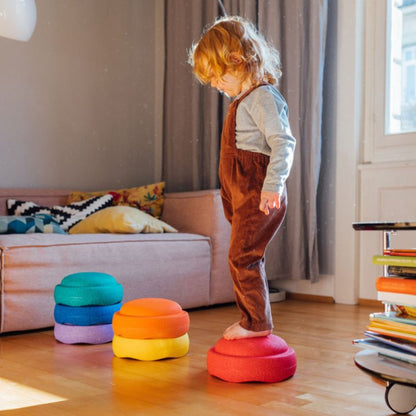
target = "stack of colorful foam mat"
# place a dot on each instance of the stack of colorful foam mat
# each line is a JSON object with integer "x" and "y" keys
{"x": 149, "y": 329}
{"x": 84, "y": 309}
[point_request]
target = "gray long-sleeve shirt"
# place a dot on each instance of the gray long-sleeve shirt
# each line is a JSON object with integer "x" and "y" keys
{"x": 262, "y": 126}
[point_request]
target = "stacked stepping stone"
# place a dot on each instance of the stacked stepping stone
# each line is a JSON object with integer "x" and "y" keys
{"x": 261, "y": 359}
{"x": 150, "y": 329}
{"x": 85, "y": 305}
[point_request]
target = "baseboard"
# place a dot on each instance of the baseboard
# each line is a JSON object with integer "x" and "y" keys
{"x": 329, "y": 299}
{"x": 310, "y": 298}
{"x": 371, "y": 302}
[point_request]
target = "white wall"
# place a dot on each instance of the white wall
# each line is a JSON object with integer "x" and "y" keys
{"x": 387, "y": 194}
{"x": 77, "y": 104}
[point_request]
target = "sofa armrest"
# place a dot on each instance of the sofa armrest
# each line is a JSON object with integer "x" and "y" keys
{"x": 196, "y": 212}
{"x": 201, "y": 212}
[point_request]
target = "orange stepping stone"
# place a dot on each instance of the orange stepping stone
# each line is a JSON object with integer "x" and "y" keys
{"x": 150, "y": 318}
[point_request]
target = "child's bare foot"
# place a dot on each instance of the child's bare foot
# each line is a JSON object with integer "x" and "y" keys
{"x": 236, "y": 331}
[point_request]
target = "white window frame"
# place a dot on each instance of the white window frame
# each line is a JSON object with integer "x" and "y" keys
{"x": 412, "y": 63}
{"x": 378, "y": 146}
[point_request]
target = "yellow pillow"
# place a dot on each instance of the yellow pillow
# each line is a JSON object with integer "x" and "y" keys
{"x": 123, "y": 220}
{"x": 147, "y": 198}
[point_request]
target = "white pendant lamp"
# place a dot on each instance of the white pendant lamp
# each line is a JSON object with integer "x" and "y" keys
{"x": 17, "y": 19}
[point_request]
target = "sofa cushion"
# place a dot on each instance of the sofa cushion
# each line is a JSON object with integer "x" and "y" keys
{"x": 121, "y": 219}
{"x": 147, "y": 198}
{"x": 40, "y": 223}
{"x": 174, "y": 266}
{"x": 67, "y": 216}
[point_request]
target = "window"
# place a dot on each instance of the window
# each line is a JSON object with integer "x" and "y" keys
{"x": 401, "y": 66}
{"x": 390, "y": 81}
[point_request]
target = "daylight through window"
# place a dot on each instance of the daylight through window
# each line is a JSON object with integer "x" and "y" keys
{"x": 401, "y": 67}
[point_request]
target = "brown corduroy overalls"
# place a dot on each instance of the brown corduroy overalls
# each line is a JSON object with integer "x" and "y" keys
{"x": 242, "y": 175}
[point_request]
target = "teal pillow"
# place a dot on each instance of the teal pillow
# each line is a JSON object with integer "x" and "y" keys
{"x": 40, "y": 223}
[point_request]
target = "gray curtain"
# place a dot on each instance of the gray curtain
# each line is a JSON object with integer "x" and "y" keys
{"x": 193, "y": 114}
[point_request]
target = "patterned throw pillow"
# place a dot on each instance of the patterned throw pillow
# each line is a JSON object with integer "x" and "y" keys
{"x": 147, "y": 198}
{"x": 66, "y": 216}
{"x": 40, "y": 223}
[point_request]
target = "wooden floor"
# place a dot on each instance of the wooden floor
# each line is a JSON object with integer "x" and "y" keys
{"x": 39, "y": 376}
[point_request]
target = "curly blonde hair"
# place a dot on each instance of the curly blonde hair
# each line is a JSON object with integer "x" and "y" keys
{"x": 233, "y": 44}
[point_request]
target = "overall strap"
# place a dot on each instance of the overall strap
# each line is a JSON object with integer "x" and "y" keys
{"x": 228, "y": 131}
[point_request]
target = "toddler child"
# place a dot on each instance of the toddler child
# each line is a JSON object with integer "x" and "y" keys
{"x": 256, "y": 155}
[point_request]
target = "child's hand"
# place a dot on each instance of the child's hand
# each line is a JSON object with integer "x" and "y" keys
{"x": 269, "y": 200}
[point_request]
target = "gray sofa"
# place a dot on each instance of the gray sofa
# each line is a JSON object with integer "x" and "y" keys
{"x": 189, "y": 267}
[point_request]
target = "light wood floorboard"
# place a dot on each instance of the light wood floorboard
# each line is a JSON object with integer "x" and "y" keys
{"x": 39, "y": 376}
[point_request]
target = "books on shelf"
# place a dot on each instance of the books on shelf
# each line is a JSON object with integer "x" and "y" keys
{"x": 386, "y": 349}
{"x": 400, "y": 262}
{"x": 408, "y": 346}
{"x": 394, "y": 317}
{"x": 393, "y": 324}
{"x": 389, "y": 260}
{"x": 393, "y": 333}
{"x": 397, "y": 298}
{"x": 401, "y": 252}
{"x": 407, "y": 310}
{"x": 402, "y": 271}
{"x": 396, "y": 285}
